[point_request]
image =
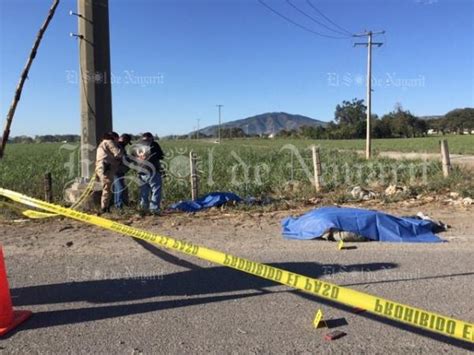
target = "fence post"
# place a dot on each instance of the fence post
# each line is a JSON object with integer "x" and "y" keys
{"x": 48, "y": 188}
{"x": 317, "y": 168}
{"x": 194, "y": 176}
{"x": 446, "y": 161}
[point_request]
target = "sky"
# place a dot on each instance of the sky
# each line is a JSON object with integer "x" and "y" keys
{"x": 173, "y": 61}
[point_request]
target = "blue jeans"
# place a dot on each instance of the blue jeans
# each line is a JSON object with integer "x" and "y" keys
{"x": 120, "y": 191}
{"x": 153, "y": 184}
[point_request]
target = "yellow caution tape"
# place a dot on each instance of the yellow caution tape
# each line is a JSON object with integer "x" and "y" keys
{"x": 382, "y": 307}
{"x": 38, "y": 215}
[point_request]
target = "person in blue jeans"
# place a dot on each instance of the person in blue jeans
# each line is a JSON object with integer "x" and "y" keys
{"x": 119, "y": 187}
{"x": 150, "y": 193}
{"x": 150, "y": 155}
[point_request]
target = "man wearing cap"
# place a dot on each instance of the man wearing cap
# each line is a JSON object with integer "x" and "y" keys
{"x": 150, "y": 155}
{"x": 120, "y": 188}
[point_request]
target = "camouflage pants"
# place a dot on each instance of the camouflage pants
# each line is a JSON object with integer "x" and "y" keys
{"x": 106, "y": 179}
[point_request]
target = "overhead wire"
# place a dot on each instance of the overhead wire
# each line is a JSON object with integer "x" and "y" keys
{"x": 315, "y": 20}
{"x": 298, "y": 24}
{"x": 328, "y": 19}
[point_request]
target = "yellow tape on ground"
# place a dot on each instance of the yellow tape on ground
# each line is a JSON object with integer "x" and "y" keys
{"x": 38, "y": 215}
{"x": 382, "y": 307}
{"x": 28, "y": 213}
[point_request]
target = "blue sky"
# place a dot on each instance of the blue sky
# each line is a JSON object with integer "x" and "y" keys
{"x": 174, "y": 60}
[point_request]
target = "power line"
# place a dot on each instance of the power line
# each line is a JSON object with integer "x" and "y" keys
{"x": 315, "y": 20}
{"x": 327, "y": 18}
{"x": 296, "y": 23}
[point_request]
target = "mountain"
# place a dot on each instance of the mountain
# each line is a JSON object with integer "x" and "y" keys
{"x": 266, "y": 124}
{"x": 432, "y": 117}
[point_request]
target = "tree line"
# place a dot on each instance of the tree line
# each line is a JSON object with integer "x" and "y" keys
{"x": 48, "y": 138}
{"x": 57, "y": 138}
{"x": 455, "y": 121}
{"x": 350, "y": 122}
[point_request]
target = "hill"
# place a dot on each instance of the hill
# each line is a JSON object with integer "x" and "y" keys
{"x": 265, "y": 124}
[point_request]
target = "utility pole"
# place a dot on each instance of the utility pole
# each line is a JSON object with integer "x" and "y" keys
{"x": 369, "y": 44}
{"x": 94, "y": 86}
{"x": 95, "y": 79}
{"x": 220, "y": 122}
{"x": 197, "y": 130}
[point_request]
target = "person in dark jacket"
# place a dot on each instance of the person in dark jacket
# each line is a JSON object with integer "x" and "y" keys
{"x": 120, "y": 188}
{"x": 150, "y": 155}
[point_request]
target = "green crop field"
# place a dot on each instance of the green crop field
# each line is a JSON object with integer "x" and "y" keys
{"x": 249, "y": 167}
{"x": 458, "y": 144}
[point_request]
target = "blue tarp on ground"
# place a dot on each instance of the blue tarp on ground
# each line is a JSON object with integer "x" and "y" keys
{"x": 214, "y": 199}
{"x": 373, "y": 225}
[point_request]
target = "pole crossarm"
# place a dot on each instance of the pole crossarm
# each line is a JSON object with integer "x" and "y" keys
{"x": 378, "y": 44}
{"x": 366, "y": 33}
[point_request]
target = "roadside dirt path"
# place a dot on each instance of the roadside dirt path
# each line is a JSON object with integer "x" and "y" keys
{"x": 456, "y": 159}
{"x": 466, "y": 161}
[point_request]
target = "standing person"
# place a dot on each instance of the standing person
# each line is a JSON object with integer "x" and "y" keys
{"x": 150, "y": 154}
{"x": 119, "y": 187}
{"x": 107, "y": 162}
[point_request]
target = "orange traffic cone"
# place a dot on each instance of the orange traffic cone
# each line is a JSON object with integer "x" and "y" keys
{"x": 9, "y": 318}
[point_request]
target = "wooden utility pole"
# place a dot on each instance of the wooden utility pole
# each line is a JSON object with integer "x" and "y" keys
{"x": 194, "y": 176}
{"x": 445, "y": 159}
{"x": 369, "y": 44}
{"x": 24, "y": 76}
{"x": 95, "y": 79}
{"x": 317, "y": 168}
{"x": 48, "y": 188}
{"x": 220, "y": 122}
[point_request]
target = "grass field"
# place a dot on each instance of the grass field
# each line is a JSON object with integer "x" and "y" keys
{"x": 457, "y": 144}
{"x": 250, "y": 167}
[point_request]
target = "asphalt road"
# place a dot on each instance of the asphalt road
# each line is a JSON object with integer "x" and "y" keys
{"x": 93, "y": 291}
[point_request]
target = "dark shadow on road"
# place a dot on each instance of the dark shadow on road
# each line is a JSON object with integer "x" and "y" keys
{"x": 335, "y": 323}
{"x": 163, "y": 255}
{"x": 410, "y": 279}
{"x": 89, "y": 314}
{"x": 352, "y": 247}
{"x": 195, "y": 282}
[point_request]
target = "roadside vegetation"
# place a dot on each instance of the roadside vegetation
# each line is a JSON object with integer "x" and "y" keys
{"x": 263, "y": 168}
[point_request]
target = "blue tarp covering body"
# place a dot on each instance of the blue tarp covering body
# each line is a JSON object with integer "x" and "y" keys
{"x": 214, "y": 199}
{"x": 373, "y": 225}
